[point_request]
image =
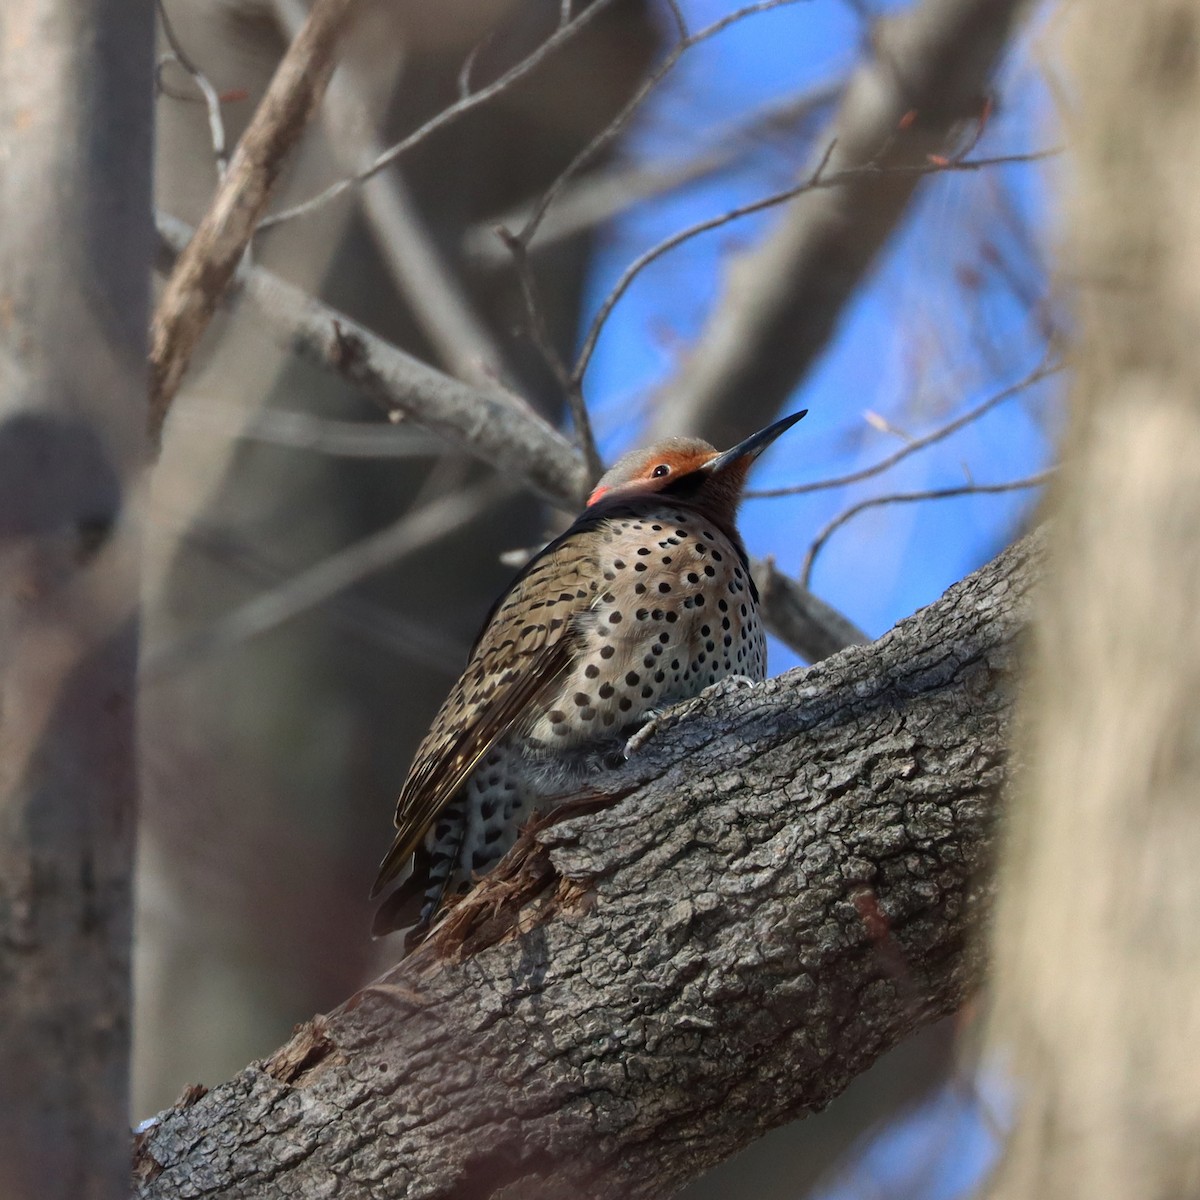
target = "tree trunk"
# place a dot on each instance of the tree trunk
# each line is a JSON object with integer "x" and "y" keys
{"x": 1098, "y": 950}
{"x": 782, "y": 887}
{"x": 76, "y": 89}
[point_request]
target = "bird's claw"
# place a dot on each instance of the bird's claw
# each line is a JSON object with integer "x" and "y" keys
{"x": 642, "y": 735}
{"x": 731, "y": 683}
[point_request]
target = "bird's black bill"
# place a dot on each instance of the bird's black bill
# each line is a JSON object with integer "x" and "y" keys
{"x": 755, "y": 444}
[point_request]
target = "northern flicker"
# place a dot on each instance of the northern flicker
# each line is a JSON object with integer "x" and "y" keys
{"x": 644, "y": 601}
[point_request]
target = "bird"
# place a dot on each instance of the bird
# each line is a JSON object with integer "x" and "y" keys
{"x": 644, "y": 601}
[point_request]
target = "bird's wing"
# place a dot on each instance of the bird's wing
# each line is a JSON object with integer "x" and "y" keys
{"x": 525, "y": 649}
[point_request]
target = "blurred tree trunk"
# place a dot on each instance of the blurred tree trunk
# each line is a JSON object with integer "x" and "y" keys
{"x": 76, "y": 86}
{"x": 1098, "y": 935}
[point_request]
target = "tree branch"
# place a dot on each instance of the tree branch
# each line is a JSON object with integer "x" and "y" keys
{"x": 778, "y": 887}
{"x": 929, "y": 71}
{"x": 465, "y": 103}
{"x": 490, "y": 424}
{"x": 326, "y": 579}
{"x": 921, "y": 497}
{"x": 812, "y": 628}
{"x": 591, "y": 199}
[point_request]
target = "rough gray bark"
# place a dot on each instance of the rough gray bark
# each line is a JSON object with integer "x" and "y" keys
{"x": 1098, "y": 934}
{"x": 783, "y": 299}
{"x": 779, "y": 886}
{"x": 75, "y": 248}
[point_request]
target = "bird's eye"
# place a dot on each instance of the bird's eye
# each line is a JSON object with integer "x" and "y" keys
{"x": 661, "y": 470}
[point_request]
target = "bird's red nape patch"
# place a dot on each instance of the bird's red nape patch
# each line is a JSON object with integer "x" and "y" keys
{"x": 598, "y": 494}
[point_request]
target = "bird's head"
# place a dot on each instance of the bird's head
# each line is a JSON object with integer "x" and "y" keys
{"x": 690, "y": 469}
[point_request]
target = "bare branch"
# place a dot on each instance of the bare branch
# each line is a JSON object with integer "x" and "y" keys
{"x": 684, "y": 42}
{"x": 929, "y": 71}
{"x": 305, "y": 431}
{"x": 207, "y": 264}
{"x": 488, "y": 423}
{"x": 518, "y": 243}
{"x": 966, "y": 489}
{"x": 585, "y": 439}
{"x": 636, "y": 993}
{"x": 384, "y": 627}
{"x": 819, "y": 180}
{"x": 643, "y": 260}
{"x": 913, "y": 445}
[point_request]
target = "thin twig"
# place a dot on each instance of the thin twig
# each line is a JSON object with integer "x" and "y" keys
{"x": 382, "y": 626}
{"x": 911, "y": 447}
{"x": 585, "y": 439}
{"x": 922, "y": 68}
{"x": 602, "y": 195}
{"x": 210, "y": 259}
{"x": 445, "y": 117}
{"x": 412, "y": 532}
{"x": 304, "y": 431}
{"x": 212, "y": 99}
{"x": 640, "y": 263}
{"x": 685, "y": 42}
{"x": 518, "y": 243}
{"x": 814, "y": 182}
{"x": 970, "y": 489}
{"x": 467, "y": 68}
